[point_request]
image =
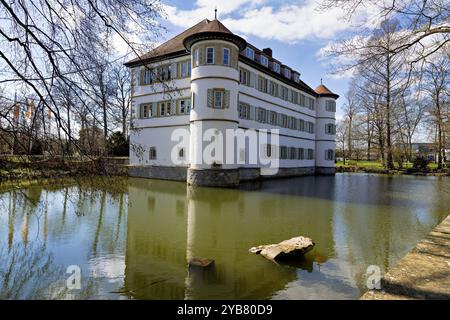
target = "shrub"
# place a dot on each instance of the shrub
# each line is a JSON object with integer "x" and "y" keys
{"x": 117, "y": 145}
{"x": 420, "y": 163}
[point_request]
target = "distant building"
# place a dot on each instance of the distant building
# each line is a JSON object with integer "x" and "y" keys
{"x": 209, "y": 78}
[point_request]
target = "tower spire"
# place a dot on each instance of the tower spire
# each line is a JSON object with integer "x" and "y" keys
{"x": 215, "y": 13}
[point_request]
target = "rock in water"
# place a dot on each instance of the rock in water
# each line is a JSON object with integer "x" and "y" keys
{"x": 294, "y": 247}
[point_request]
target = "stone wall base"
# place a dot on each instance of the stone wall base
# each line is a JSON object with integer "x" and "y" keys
{"x": 219, "y": 177}
{"x": 213, "y": 177}
{"x": 158, "y": 172}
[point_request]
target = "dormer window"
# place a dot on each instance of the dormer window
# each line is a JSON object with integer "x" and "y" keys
{"x": 250, "y": 53}
{"x": 276, "y": 67}
{"x": 264, "y": 61}
{"x": 287, "y": 73}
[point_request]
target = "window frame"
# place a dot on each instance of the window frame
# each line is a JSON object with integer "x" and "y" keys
{"x": 250, "y": 56}
{"x": 222, "y": 97}
{"x": 278, "y": 68}
{"x": 152, "y": 154}
{"x": 213, "y": 53}
{"x": 263, "y": 60}
{"x": 228, "y": 56}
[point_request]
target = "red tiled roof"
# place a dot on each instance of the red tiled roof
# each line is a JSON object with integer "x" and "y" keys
{"x": 324, "y": 91}
{"x": 173, "y": 45}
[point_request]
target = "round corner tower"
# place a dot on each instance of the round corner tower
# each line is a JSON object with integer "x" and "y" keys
{"x": 214, "y": 98}
{"x": 325, "y": 130}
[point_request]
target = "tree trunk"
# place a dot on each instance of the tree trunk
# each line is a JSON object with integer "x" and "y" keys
{"x": 389, "y": 160}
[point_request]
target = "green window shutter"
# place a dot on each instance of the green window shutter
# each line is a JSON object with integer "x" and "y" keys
{"x": 141, "y": 111}
{"x": 141, "y": 77}
{"x": 174, "y": 69}
{"x": 152, "y": 109}
{"x": 251, "y": 114}
{"x": 252, "y": 79}
{"x": 226, "y": 99}
{"x": 210, "y": 101}
{"x": 173, "y": 107}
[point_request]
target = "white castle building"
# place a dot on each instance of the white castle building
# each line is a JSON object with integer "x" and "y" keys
{"x": 189, "y": 93}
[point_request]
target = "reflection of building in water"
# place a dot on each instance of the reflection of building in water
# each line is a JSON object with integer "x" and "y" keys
{"x": 169, "y": 223}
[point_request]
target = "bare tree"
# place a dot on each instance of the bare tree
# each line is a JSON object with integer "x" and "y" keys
{"x": 45, "y": 44}
{"x": 426, "y": 24}
{"x": 437, "y": 85}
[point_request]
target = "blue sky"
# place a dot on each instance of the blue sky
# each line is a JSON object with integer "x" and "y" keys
{"x": 295, "y": 30}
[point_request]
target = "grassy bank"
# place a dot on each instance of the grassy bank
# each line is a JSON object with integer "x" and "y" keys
{"x": 377, "y": 167}
{"x": 13, "y": 170}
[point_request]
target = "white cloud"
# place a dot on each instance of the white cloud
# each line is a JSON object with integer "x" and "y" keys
{"x": 290, "y": 23}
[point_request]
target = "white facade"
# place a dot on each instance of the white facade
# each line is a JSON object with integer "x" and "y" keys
{"x": 306, "y": 134}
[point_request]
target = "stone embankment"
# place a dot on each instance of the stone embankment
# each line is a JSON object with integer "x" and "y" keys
{"x": 424, "y": 273}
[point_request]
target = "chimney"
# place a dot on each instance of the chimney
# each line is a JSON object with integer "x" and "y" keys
{"x": 268, "y": 51}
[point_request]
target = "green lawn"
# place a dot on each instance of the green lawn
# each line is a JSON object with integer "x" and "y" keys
{"x": 376, "y": 164}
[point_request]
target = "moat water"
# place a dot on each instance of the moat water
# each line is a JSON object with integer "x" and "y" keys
{"x": 132, "y": 238}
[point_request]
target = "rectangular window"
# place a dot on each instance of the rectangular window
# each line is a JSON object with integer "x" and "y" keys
{"x": 302, "y": 100}
{"x": 244, "y": 111}
{"x": 310, "y": 103}
{"x": 145, "y": 111}
{"x": 293, "y": 123}
{"x": 292, "y": 153}
{"x": 182, "y": 106}
{"x": 283, "y": 152}
{"x": 262, "y": 84}
{"x": 285, "y": 93}
{"x": 218, "y": 99}
{"x": 197, "y": 57}
{"x": 302, "y": 125}
{"x": 276, "y": 67}
{"x": 273, "y": 117}
{"x": 273, "y": 88}
{"x": 310, "y": 154}
{"x": 300, "y": 153}
{"x": 294, "y": 96}
{"x": 330, "y": 128}
{"x": 244, "y": 76}
{"x": 329, "y": 154}
{"x": 264, "y": 61}
{"x": 284, "y": 121}
{"x": 330, "y": 106}
{"x": 261, "y": 116}
{"x": 185, "y": 69}
{"x": 210, "y": 55}
{"x": 164, "y": 108}
{"x": 147, "y": 76}
{"x": 287, "y": 73}
{"x": 250, "y": 53}
{"x": 152, "y": 153}
{"x": 226, "y": 57}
